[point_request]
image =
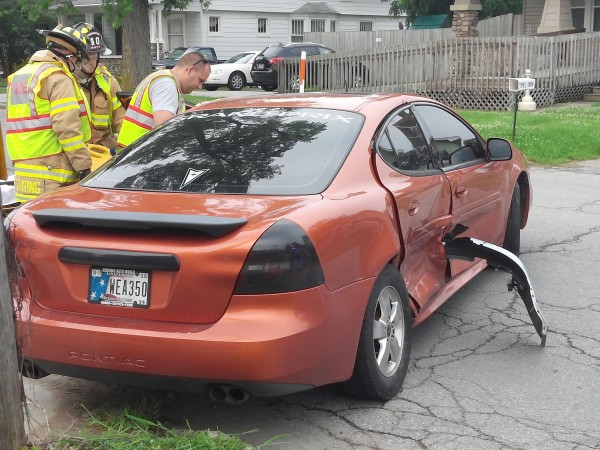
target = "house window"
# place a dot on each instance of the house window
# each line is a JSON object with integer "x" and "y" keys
{"x": 578, "y": 13}
{"x": 333, "y": 26}
{"x": 175, "y": 32}
{"x": 214, "y": 25}
{"x": 297, "y": 30}
{"x": 262, "y": 25}
{"x": 596, "y": 19}
{"x": 317, "y": 25}
{"x": 365, "y": 25}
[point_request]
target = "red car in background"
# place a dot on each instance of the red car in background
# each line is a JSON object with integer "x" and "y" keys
{"x": 263, "y": 246}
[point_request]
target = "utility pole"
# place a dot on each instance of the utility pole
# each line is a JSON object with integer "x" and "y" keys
{"x": 12, "y": 425}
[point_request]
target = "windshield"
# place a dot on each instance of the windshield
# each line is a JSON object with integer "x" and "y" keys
{"x": 270, "y": 151}
{"x": 176, "y": 54}
{"x": 242, "y": 58}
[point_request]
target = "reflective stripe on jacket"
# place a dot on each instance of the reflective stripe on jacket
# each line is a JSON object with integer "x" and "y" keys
{"x": 102, "y": 113}
{"x": 139, "y": 118}
{"x": 29, "y": 129}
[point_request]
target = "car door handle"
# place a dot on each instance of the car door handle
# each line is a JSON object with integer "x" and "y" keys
{"x": 461, "y": 191}
{"x": 413, "y": 207}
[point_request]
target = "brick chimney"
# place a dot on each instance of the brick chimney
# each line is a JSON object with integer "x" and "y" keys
{"x": 465, "y": 17}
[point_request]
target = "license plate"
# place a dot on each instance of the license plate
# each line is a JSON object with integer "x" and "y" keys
{"x": 119, "y": 287}
{"x": 260, "y": 66}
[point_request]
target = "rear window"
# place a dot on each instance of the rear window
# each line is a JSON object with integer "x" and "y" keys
{"x": 272, "y": 52}
{"x": 268, "y": 151}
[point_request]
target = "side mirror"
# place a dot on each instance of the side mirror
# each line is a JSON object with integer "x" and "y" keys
{"x": 499, "y": 149}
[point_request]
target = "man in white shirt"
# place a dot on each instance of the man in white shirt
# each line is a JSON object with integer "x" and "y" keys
{"x": 160, "y": 96}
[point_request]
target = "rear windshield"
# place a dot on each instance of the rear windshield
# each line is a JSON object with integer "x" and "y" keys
{"x": 272, "y": 52}
{"x": 269, "y": 151}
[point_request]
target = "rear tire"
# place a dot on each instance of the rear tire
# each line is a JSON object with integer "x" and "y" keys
{"x": 236, "y": 81}
{"x": 211, "y": 88}
{"x": 512, "y": 237}
{"x": 267, "y": 87}
{"x": 385, "y": 340}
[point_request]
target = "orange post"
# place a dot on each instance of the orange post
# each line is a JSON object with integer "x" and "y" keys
{"x": 302, "y": 70}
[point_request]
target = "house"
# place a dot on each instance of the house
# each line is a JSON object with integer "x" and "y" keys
{"x": 560, "y": 16}
{"x": 231, "y": 26}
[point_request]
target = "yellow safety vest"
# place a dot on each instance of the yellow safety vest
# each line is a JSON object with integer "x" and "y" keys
{"x": 139, "y": 118}
{"x": 29, "y": 131}
{"x": 103, "y": 121}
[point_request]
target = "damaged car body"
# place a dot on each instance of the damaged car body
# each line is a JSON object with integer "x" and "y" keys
{"x": 499, "y": 258}
{"x": 217, "y": 252}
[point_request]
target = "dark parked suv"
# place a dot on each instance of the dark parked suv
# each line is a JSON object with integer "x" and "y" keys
{"x": 265, "y": 68}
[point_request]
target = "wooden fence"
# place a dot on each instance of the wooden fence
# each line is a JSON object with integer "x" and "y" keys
{"x": 345, "y": 41}
{"x": 465, "y": 72}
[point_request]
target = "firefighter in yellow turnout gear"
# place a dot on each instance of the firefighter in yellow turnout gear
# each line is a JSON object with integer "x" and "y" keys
{"x": 100, "y": 88}
{"x": 47, "y": 118}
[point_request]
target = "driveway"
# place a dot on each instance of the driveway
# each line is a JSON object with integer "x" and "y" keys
{"x": 478, "y": 377}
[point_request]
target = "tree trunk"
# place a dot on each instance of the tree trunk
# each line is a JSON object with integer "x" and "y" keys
{"x": 137, "y": 58}
{"x": 12, "y": 426}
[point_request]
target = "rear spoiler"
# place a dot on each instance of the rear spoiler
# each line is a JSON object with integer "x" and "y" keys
{"x": 138, "y": 221}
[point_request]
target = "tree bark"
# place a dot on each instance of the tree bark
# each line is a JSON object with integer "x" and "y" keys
{"x": 137, "y": 58}
{"x": 12, "y": 426}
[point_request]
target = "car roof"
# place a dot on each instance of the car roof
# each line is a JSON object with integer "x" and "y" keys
{"x": 296, "y": 44}
{"x": 348, "y": 102}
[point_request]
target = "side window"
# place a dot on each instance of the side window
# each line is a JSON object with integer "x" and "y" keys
{"x": 402, "y": 144}
{"x": 452, "y": 139}
{"x": 311, "y": 50}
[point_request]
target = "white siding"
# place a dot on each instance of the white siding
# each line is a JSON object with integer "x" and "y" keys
{"x": 353, "y": 7}
{"x": 532, "y": 15}
{"x": 240, "y": 32}
{"x": 239, "y": 21}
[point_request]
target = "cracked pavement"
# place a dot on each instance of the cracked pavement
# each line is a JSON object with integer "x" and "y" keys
{"x": 478, "y": 377}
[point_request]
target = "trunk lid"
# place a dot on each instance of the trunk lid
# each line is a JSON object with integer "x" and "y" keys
{"x": 184, "y": 251}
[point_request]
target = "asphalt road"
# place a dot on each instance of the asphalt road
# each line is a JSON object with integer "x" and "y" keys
{"x": 478, "y": 378}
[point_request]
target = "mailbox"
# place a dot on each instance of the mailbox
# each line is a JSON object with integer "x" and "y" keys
{"x": 520, "y": 84}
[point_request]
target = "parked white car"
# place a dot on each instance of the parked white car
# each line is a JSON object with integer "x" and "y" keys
{"x": 233, "y": 73}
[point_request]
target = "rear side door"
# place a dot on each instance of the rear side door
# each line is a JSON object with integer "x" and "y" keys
{"x": 422, "y": 195}
{"x": 478, "y": 187}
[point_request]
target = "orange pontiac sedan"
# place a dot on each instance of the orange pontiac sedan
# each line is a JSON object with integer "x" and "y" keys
{"x": 263, "y": 246}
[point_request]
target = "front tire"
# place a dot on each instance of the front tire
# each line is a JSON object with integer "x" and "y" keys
{"x": 512, "y": 237}
{"x": 236, "y": 82}
{"x": 211, "y": 88}
{"x": 385, "y": 340}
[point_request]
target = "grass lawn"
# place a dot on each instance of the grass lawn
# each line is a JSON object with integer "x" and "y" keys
{"x": 2, "y": 85}
{"x": 549, "y": 136}
{"x": 118, "y": 429}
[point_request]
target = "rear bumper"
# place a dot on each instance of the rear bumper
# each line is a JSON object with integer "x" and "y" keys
{"x": 266, "y": 77}
{"x": 269, "y": 345}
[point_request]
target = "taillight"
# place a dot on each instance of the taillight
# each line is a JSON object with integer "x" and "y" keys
{"x": 274, "y": 61}
{"x": 282, "y": 260}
